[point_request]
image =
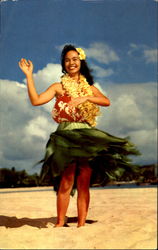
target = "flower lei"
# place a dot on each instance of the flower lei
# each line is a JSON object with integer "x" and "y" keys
{"x": 88, "y": 110}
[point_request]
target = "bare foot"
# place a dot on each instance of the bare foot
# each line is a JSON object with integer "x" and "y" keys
{"x": 58, "y": 225}
{"x": 80, "y": 225}
{"x": 61, "y": 225}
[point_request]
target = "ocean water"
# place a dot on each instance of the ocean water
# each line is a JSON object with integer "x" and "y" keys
{"x": 48, "y": 189}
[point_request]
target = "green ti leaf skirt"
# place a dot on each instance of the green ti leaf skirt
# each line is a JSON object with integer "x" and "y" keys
{"x": 106, "y": 154}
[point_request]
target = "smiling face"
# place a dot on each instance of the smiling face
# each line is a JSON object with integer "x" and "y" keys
{"x": 72, "y": 63}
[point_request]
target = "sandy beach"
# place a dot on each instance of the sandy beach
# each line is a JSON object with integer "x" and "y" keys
{"x": 122, "y": 218}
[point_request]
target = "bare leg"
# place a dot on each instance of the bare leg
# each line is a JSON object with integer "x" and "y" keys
{"x": 83, "y": 182}
{"x": 63, "y": 196}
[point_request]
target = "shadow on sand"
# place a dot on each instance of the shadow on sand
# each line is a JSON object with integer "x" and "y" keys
{"x": 14, "y": 222}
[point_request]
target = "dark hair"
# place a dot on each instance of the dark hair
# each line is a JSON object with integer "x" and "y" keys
{"x": 84, "y": 70}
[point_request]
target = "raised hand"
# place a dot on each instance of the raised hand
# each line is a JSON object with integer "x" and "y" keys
{"x": 26, "y": 66}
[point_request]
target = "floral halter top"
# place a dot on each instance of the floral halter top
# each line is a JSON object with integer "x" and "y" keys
{"x": 62, "y": 112}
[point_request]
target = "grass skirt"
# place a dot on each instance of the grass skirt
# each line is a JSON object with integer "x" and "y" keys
{"x": 106, "y": 154}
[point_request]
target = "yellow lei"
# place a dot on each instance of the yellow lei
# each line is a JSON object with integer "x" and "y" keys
{"x": 74, "y": 89}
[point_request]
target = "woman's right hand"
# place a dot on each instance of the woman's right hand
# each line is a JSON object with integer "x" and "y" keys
{"x": 26, "y": 66}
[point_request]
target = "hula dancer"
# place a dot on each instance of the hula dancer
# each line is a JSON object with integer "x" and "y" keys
{"x": 74, "y": 148}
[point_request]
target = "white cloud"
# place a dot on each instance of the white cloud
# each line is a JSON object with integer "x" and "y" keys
{"x": 127, "y": 109}
{"x": 102, "y": 53}
{"x": 37, "y": 127}
{"x": 99, "y": 51}
{"x": 143, "y": 52}
{"x": 46, "y": 76}
{"x": 101, "y": 72}
{"x": 21, "y": 85}
{"x": 151, "y": 55}
{"x": 25, "y": 129}
{"x": 133, "y": 113}
{"x": 146, "y": 140}
{"x": 133, "y": 47}
{"x": 97, "y": 85}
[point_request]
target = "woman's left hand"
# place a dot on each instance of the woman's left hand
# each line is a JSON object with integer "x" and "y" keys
{"x": 76, "y": 101}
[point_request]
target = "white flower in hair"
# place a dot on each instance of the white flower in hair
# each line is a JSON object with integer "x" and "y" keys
{"x": 82, "y": 54}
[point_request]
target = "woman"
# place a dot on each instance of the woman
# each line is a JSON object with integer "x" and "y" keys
{"x": 76, "y": 145}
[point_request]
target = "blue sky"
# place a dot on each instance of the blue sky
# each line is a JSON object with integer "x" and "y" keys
{"x": 34, "y": 28}
{"x": 119, "y": 38}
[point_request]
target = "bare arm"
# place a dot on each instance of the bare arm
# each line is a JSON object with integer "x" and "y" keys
{"x": 98, "y": 97}
{"x": 35, "y": 98}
